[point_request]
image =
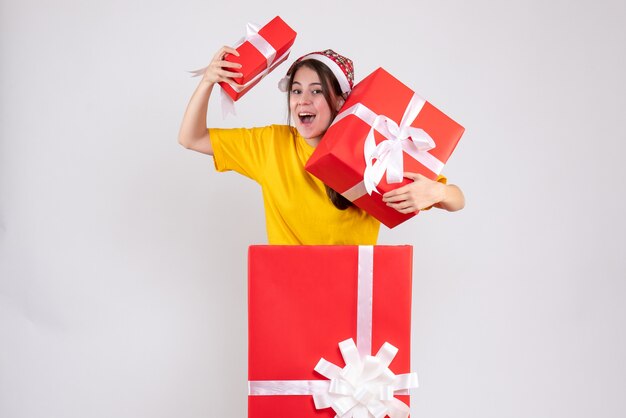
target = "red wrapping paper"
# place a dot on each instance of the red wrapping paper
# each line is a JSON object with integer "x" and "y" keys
{"x": 280, "y": 35}
{"x": 302, "y": 301}
{"x": 339, "y": 160}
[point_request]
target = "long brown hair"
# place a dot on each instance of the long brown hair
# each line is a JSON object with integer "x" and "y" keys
{"x": 331, "y": 91}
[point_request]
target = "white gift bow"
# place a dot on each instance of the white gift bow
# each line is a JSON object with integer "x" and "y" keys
{"x": 389, "y": 153}
{"x": 364, "y": 388}
{"x": 265, "y": 48}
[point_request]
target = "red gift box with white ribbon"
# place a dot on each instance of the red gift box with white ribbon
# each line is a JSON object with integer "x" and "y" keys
{"x": 383, "y": 130}
{"x": 329, "y": 331}
{"x": 262, "y": 50}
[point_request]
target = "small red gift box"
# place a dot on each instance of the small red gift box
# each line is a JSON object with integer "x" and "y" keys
{"x": 261, "y": 52}
{"x": 383, "y": 129}
{"x": 303, "y": 301}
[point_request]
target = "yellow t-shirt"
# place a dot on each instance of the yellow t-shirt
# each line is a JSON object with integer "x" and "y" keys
{"x": 297, "y": 209}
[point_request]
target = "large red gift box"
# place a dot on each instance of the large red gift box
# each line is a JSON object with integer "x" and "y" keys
{"x": 275, "y": 35}
{"x": 304, "y": 300}
{"x": 383, "y": 122}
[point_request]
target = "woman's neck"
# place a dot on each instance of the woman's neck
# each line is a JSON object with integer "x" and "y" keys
{"x": 313, "y": 141}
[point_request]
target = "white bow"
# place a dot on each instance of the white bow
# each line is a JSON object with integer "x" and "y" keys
{"x": 365, "y": 387}
{"x": 388, "y": 154}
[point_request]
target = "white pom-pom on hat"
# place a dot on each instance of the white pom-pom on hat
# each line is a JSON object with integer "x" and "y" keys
{"x": 283, "y": 84}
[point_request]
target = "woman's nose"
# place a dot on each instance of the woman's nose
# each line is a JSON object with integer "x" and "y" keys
{"x": 305, "y": 98}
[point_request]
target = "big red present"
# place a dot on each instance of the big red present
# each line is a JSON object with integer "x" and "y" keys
{"x": 262, "y": 50}
{"x": 383, "y": 130}
{"x": 306, "y": 307}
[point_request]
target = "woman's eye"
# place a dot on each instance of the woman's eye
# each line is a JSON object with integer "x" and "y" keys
{"x": 317, "y": 91}
{"x": 295, "y": 91}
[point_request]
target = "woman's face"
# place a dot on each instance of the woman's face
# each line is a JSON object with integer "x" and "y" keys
{"x": 309, "y": 109}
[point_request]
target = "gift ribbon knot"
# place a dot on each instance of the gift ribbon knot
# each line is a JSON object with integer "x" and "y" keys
{"x": 365, "y": 387}
{"x": 387, "y": 156}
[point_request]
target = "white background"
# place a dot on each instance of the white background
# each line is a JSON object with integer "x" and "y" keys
{"x": 123, "y": 255}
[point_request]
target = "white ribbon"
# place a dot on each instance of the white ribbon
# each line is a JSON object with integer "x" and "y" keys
{"x": 365, "y": 387}
{"x": 365, "y": 297}
{"x": 388, "y": 153}
{"x": 265, "y": 48}
{"x": 287, "y": 387}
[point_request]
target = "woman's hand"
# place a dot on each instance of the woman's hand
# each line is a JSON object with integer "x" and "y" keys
{"x": 424, "y": 193}
{"x": 219, "y": 70}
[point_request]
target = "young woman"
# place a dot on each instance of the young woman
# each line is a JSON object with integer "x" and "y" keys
{"x": 299, "y": 208}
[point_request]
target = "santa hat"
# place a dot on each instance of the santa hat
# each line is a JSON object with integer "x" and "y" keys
{"x": 341, "y": 67}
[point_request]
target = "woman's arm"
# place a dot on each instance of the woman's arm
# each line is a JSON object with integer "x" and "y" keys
{"x": 453, "y": 198}
{"x": 424, "y": 193}
{"x": 193, "y": 133}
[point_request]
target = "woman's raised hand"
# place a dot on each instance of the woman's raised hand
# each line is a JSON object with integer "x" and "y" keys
{"x": 193, "y": 131}
{"x": 220, "y": 70}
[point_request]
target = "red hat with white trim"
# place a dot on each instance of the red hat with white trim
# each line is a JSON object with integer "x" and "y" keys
{"x": 341, "y": 66}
